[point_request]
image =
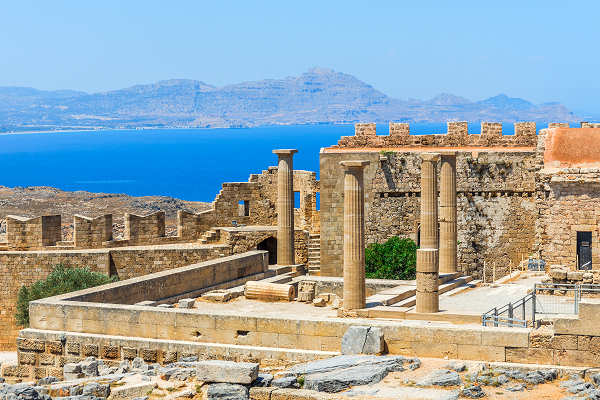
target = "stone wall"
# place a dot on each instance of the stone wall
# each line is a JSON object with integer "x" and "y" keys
{"x": 496, "y": 204}
{"x": 241, "y": 240}
{"x": 32, "y": 233}
{"x": 19, "y": 268}
{"x": 457, "y": 135}
{"x": 90, "y": 233}
{"x": 144, "y": 229}
{"x": 160, "y": 335}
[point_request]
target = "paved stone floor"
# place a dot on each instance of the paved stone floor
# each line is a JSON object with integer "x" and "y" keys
{"x": 485, "y": 297}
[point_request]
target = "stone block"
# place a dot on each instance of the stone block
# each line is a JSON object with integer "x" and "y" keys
{"x": 27, "y": 358}
{"x": 354, "y": 339}
{"x": 558, "y": 273}
{"x": 109, "y": 352}
{"x": 47, "y": 359}
{"x": 186, "y": 303}
{"x": 73, "y": 348}
{"x": 564, "y": 342}
{"x": 529, "y": 355}
{"x": 481, "y": 353}
{"x": 90, "y": 350}
{"x": 226, "y": 372}
{"x": 575, "y": 276}
{"x": 129, "y": 353}
{"x": 149, "y": 355}
{"x": 31, "y": 345}
{"x": 261, "y": 393}
{"x": 54, "y": 347}
{"x": 169, "y": 357}
{"x": 507, "y": 337}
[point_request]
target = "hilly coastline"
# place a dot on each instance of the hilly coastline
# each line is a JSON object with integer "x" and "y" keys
{"x": 317, "y": 96}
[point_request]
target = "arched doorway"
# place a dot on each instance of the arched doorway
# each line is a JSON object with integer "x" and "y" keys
{"x": 270, "y": 245}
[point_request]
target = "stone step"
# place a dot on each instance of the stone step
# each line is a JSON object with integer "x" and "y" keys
{"x": 446, "y": 287}
{"x": 404, "y": 291}
{"x": 280, "y": 269}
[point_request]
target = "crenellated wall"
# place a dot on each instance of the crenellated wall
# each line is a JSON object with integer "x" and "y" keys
{"x": 144, "y": 229}
{"x": 457, "y": 135}
{"x": 32, "y": 233}
{"x": 90, "y": 233}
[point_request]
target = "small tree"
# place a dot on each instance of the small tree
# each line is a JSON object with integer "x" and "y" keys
{"x": 62, "y": 279}
{"x": 394, "y": 259}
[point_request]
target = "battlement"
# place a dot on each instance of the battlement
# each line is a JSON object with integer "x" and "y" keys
{"x": 457, "y": 135}
{"x": 32, "y": 233}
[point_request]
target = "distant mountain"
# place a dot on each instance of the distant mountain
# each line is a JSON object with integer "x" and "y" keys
{"x": 317, "y": 96}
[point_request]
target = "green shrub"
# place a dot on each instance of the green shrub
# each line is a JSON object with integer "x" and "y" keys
{"x": 62, "y": 279}
{"x": 394, "y": 259}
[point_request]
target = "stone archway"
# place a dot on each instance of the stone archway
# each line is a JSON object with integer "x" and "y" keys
{"x": 270, "y": 245}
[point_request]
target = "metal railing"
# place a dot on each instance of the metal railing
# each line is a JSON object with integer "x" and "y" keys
{"x": 545, "y": 299}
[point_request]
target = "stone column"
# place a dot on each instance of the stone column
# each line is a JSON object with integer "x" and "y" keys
{"x": 354, "y": 235}
{"x": 448, "y": 213}
{"x": 285, "y": 207}
{"x": 427, "y": 254}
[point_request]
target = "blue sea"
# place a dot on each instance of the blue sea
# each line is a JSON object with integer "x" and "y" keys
{"x": 188, "y": 164}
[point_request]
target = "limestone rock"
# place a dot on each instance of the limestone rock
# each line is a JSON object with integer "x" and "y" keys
{"x": 319, "y": 302}
{"x": 441, "y": 377}
{"x": 558, "y": 272}
{"x": 391, "y": 363}
{"x": 286, "y": 382}
{"x": 363, "y": 340}
{"x": 336, "y": 381}
{"x": 263, "y": 380}
{"x": 186, "y": 303}
{"x": 457, "y": 366}
{"x": 575, "y": 276}
{"x": 472, "y": 392}
{"x": 72, "y": 371}
{"x": 226, "y": 391}
{"x": 516, "y": 388}
{"x": 219, "y": 296}
{"x": 96, "y": 389}
{"x": 226, "y": 371}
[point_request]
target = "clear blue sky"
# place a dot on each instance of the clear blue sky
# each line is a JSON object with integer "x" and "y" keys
{"x": 541, "y": 51}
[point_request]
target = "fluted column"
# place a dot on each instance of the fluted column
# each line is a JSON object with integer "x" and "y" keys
{"x": 427, "y": 255}
{"x": 285, "y": 206}
{"x": 354, "y": 235}
{"x": 448, "y": 213}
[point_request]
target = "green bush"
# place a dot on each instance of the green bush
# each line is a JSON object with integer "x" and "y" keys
{"x": 394, "y": 259}
{"x": 62, "y": 279}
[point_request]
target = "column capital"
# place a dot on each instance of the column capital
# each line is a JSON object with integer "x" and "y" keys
{"x": 285, "y": 152}
{"x": 430, "y": 156}
{"x": 354, "y": 164}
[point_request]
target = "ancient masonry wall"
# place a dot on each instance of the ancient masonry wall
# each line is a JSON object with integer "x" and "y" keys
{"x": 457, "y": 135}
{"x": 165, "y": 335}
{"x": 32, "y": 233}
{"x": 496, "y": 204}
{"x": 91, "y": 233}
{"x": 238, "y": 203}
{"x": 25, "y": 267}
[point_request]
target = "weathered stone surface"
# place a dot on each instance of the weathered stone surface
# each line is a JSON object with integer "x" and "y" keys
{"x": 186, "y": 303}
{"x": 286, "y": 382}
{"x": 263, "y": 380}
{"x": 226, "y": 391}
{"x": 338, "y": 380}
{"x": 472, "y": 392}
{"x": 442, "y": 377}
{"x": 89, "y": 366}
{"x": 363, "y": 340}
{"x": 72, "y": 371}
{"x": 457, "y": 366}
{"x": 226, "y": 371}
{"x": 96, "y": 389}
{"x": 392, "y": 363}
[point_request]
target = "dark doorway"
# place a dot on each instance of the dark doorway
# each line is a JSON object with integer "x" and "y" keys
{"x": 270, "y": 245}
{"x": 584, "y": 250}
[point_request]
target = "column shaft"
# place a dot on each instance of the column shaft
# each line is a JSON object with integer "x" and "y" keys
{"x": 354, "y": 235}
{"x": 448, "y": 240}
{"x": 285, "y": 207}
{"x": 427, "y": 299}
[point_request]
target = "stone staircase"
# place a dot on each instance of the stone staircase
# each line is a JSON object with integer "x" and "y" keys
{"x": 404, "y": 295}
{"x": 314, "y": 254}
{"x": 208, "y": 237}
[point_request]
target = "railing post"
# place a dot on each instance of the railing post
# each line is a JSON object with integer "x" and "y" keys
{"x": 576, "y": 299}
{"x": 510, "y": 313}
{"x": 495, "y": 316}
{"x": 533, "y": 301}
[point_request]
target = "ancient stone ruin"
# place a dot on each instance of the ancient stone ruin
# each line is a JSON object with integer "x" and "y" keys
{"x": 258, "y": 279}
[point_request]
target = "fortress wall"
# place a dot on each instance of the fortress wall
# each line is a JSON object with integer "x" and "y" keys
{"x": 144, "y": 229}
{"x": 247, "y": 240}
{"x": 456, "y": 135}
{"x": 32, "y": 233}
{"x": 91, "y": 232}
{"x": 19, "y": 268}
{"x": 496, "y": 205}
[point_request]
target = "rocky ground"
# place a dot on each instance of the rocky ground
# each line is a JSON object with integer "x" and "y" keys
{"x": 40, "y": 200}
{"x": 341, "y": 377}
